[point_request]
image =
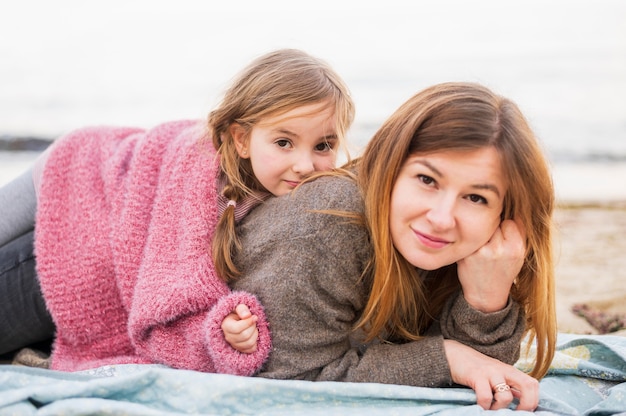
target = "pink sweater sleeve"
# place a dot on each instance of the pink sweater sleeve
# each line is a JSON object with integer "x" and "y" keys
{"x": 229, "y": 362}
{"x": 172, "y": 306}
{"x": 124, "y": 228}
{"x": 74, "y": 256}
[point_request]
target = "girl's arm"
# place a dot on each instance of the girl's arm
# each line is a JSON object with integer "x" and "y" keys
{"x": 240, "y": 329}
{"x": 177, "y": 303}
{"x": 226, "y": 359}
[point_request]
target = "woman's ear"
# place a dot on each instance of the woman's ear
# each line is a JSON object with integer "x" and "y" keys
{"x": 238, "y": 133}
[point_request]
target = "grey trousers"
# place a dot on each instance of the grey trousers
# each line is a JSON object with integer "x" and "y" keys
{"x": 18, "y": 204}
{"x": 24, "y": 319}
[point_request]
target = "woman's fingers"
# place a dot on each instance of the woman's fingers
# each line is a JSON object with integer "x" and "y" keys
{"x": 484, "y": 394}
{"x": 502, "y": 396}
{"x": 496, "y": 384}
{"x": 526, "y": 390}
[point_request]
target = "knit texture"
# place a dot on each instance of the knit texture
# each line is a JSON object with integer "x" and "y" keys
{"x": 123, "y": 241}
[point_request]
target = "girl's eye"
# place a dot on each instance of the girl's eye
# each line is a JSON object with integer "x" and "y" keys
{"x": 283, "y": 143}
{"x": 323, "y": 147}
{"x": 477, "y": 199}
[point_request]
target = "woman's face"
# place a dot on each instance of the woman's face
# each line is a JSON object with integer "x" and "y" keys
{"x": 446, "y": 205}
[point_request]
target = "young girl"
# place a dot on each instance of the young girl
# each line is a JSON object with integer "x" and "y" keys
{"x": 441, "y": 256}
{"x": 128, "y": 219}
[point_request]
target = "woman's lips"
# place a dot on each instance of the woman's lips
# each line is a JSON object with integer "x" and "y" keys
{"x": 430, "y": 241}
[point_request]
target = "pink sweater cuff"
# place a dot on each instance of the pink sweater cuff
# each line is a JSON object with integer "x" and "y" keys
{"x": 227, "y": 360}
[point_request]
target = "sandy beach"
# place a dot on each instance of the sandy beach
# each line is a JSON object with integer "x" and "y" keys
{"x": 590, "y": 240}
{"x": 590, "y": 262}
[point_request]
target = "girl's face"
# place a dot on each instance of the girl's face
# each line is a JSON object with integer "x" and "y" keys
{"x": 446, "y": 205}
{"x": 284, "y": 150}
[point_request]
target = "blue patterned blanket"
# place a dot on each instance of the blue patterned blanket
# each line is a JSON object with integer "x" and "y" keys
{"x": 588, "y": 377}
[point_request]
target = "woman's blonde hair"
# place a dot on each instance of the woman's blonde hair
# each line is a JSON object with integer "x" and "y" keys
{"x": 269, "y": 86}
{"x": 458, "y": 116}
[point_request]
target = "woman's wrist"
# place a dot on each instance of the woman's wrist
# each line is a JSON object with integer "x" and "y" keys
{"x": 486, "y": 304}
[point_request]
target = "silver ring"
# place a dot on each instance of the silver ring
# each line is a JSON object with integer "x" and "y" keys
{"x": 501, "y": 388}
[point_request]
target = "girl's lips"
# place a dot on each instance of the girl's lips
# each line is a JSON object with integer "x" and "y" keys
{"x": 430, "y": 241}
{"x": 293, "y": 184}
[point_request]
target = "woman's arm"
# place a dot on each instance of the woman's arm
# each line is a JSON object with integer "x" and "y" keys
{"x": 483, "y": 315}
{"x": 307, "y": 268}
{"x": 496, "y": 334}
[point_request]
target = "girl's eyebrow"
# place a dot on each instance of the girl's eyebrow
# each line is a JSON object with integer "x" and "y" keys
{"x": 284, "y": 131}
{"x": 290, "y": 133}
{"x": 482, "y": 186}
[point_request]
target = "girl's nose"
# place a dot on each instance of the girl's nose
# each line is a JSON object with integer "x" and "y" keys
{"x": 303, "y": 165}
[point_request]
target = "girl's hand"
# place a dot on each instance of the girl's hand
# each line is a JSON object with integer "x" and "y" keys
{"x": 240, "y": 329}
{"x": 487, "y": 274}
{"x": 496, "y": 384}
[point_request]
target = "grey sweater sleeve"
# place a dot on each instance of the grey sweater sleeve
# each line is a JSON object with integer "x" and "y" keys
{"x": 498, "y": 334}
{"x": 306, "y": 268}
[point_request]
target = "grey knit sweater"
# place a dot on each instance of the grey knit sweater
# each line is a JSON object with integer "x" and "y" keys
{"x": 305, "y": 267}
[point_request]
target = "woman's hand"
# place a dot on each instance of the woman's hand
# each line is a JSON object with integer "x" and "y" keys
{"x": 487, "y": 275}
{"x": 496, "y": 384}
{"x": 240, "y": 329}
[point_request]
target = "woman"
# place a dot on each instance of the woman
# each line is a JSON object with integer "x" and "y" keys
{"x": 456, "y": 210}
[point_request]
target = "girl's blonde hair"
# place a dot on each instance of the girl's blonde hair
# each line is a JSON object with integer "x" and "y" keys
{"x": 458, "y": 116}
{"x": 269, "y": 86}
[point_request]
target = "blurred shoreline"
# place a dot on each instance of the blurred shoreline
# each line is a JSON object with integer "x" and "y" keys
{"x": 578, "y": 183}
{"x": 10, "y": 143}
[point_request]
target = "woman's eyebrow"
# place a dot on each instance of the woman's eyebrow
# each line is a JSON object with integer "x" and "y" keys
{"x": 488, "y": 187}
{"x": 429, "y": 166}
{"x": 482, "y": 186}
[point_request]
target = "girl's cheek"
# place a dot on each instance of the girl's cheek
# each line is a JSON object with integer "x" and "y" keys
{"x": 327, "y": 164}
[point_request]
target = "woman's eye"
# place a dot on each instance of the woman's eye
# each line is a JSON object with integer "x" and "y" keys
{"x": 427, "y": 180}
{"x": 283, "y": 143}
{"x": 477, "y": 199}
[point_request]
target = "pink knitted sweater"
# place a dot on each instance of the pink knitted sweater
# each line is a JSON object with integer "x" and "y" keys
{"x": 124, "y": 226}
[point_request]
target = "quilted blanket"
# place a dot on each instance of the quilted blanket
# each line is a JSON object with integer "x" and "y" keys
{"x": 587, "y": 377}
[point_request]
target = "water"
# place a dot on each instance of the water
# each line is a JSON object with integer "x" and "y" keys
{"x": 71, "y": 63}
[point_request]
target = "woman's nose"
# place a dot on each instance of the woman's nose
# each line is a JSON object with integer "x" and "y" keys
{"x": 441, "y": 213}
